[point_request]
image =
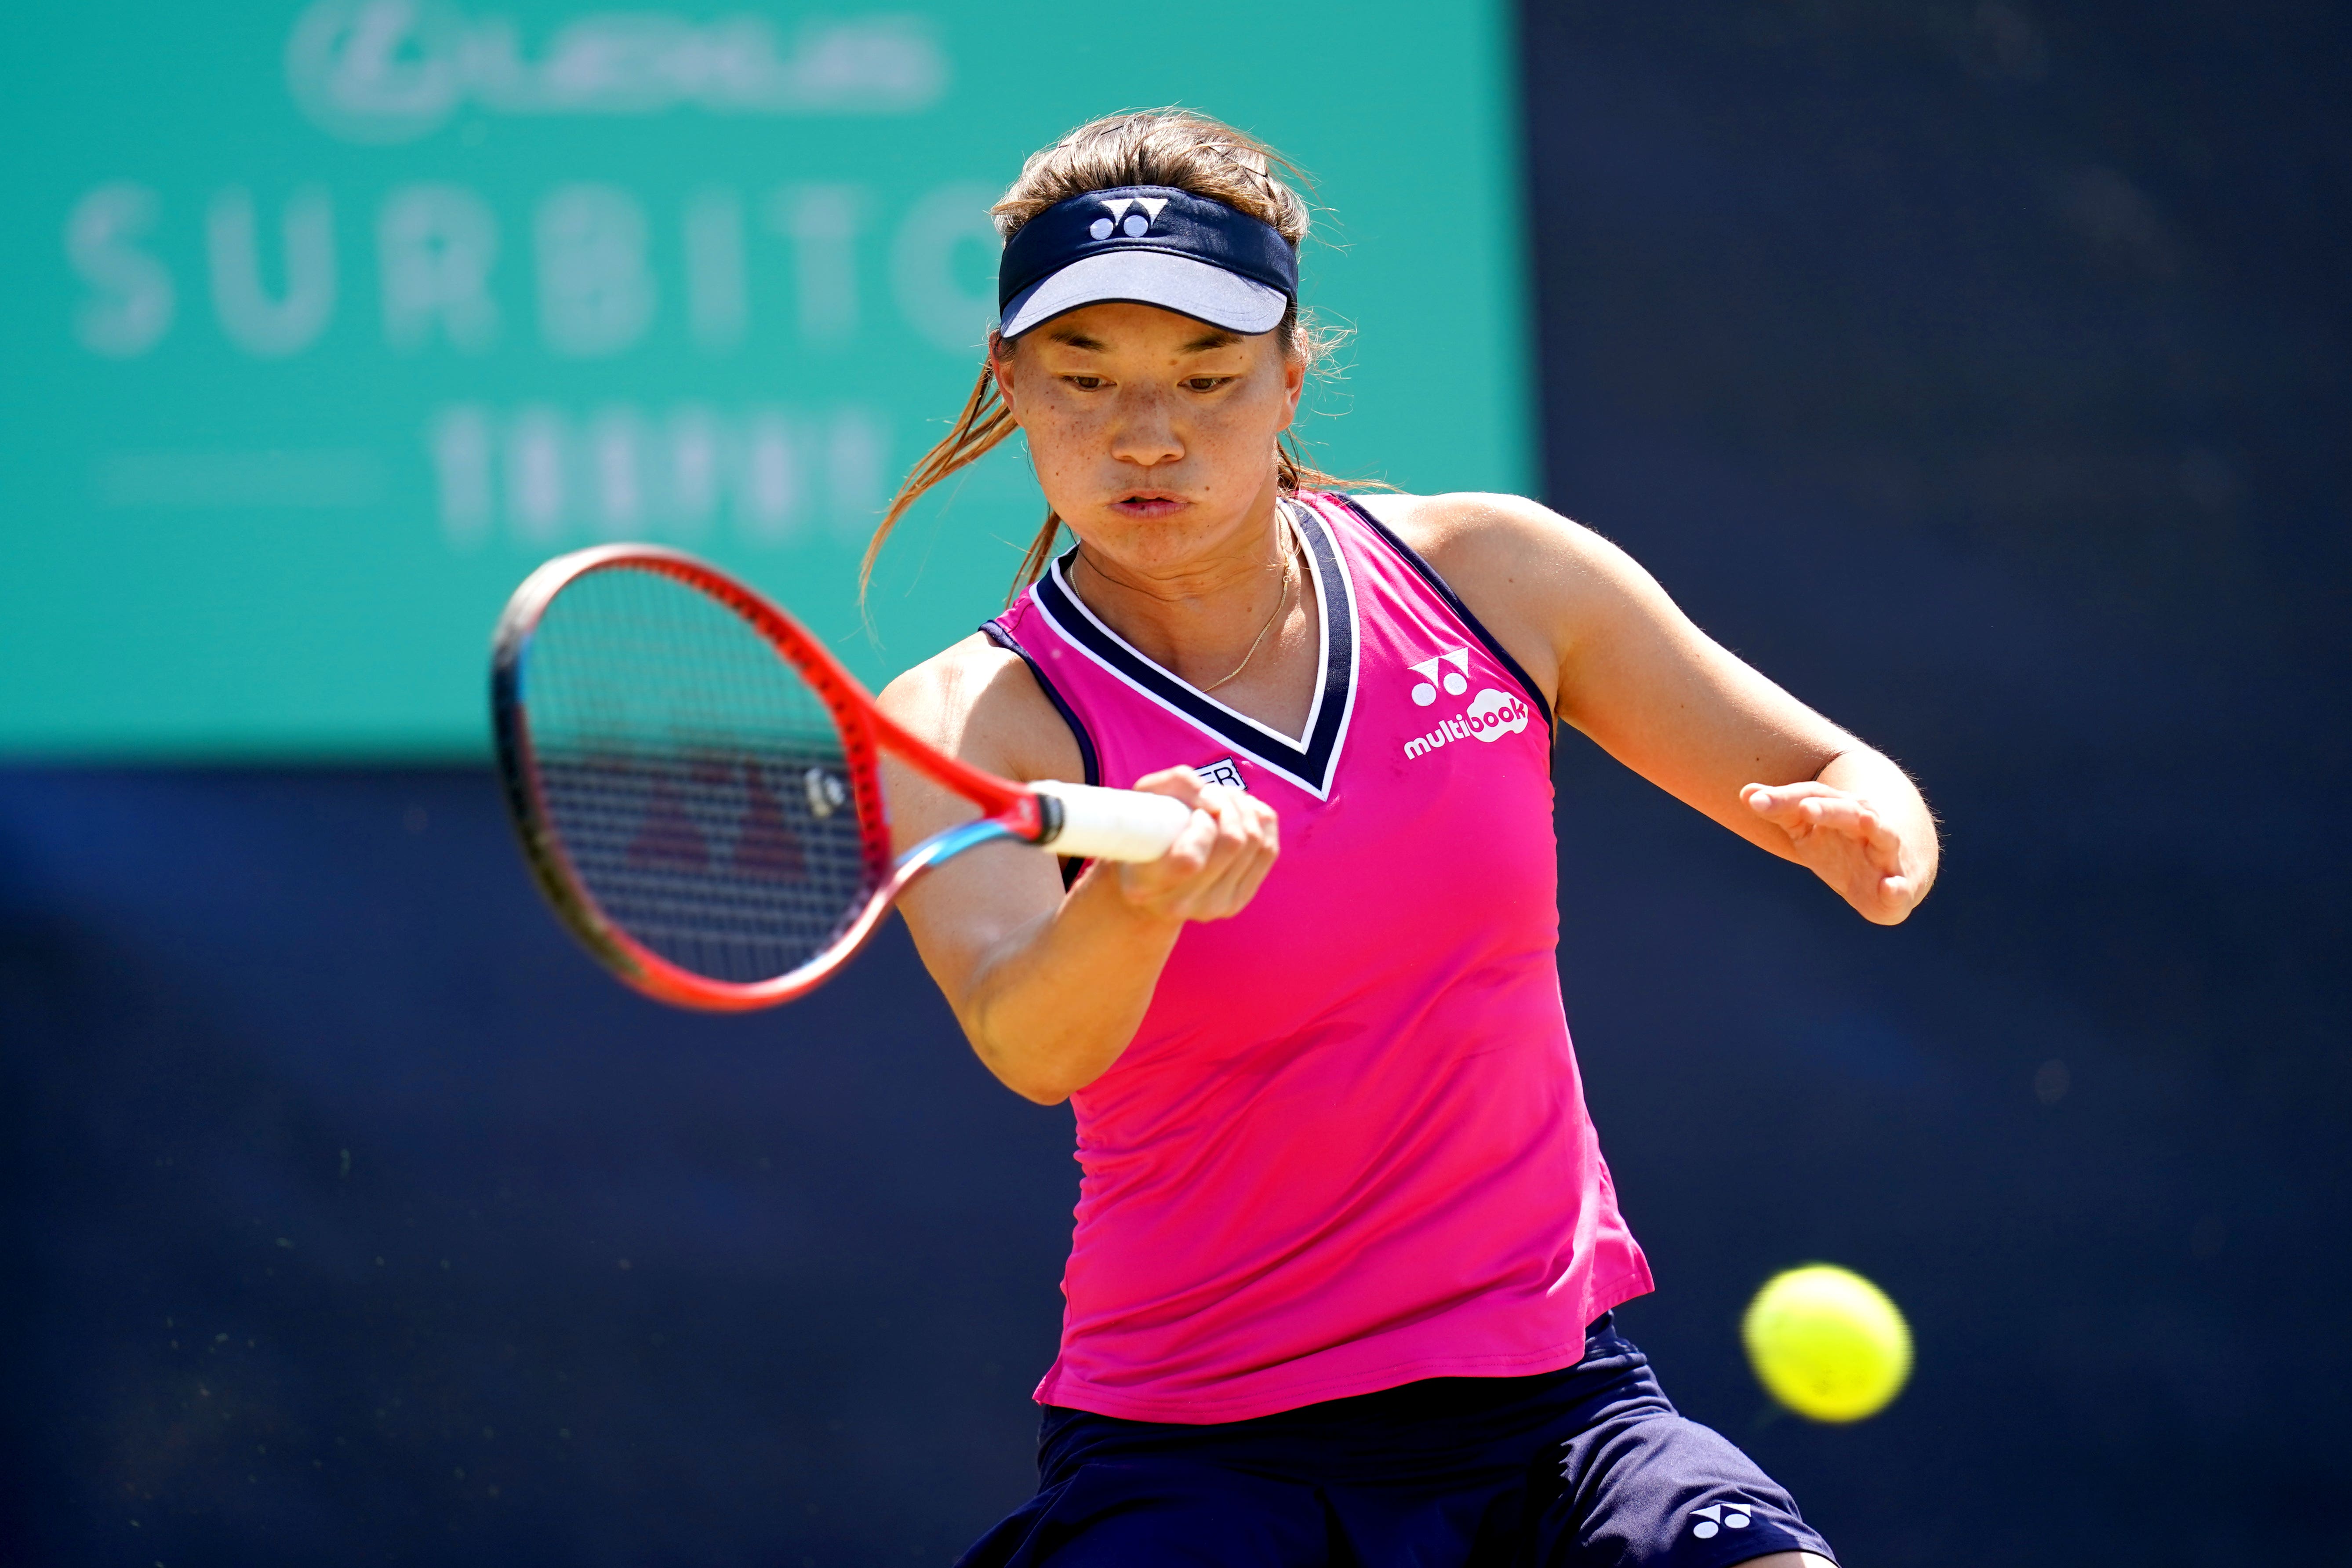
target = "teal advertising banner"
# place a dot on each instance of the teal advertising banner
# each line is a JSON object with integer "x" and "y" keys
{"x": 324, "y": 322}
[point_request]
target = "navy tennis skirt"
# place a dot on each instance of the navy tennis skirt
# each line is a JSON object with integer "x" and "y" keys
{"x": 1576, "y": 1468}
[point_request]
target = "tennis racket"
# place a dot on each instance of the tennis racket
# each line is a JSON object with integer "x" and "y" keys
{"x": 696, "y": 782}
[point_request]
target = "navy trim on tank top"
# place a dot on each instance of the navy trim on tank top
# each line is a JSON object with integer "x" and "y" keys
{"x": 996, "y": 632}
{"x": 1453, "y": 601}
{"x": 1310, "y": 765}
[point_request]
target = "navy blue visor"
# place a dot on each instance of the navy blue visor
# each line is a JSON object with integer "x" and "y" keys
{"x": 1147, "y": 244}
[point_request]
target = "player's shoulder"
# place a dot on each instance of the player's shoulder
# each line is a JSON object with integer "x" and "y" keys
{"x": 1476, "y": 531}
{"x": 973, "y": 677}
{"x": 1535, "y": 581}
{"x": 978, "y": 700}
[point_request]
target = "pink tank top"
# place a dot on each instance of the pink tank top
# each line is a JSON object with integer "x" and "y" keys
{"x": 1348, "y": 1148}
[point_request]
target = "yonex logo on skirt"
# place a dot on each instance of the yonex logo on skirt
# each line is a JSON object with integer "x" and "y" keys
{"x": 1719, "y": 1516}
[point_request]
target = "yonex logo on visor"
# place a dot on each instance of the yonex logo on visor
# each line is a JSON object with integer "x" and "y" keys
{"x": 1147, "y": 244}
{"x": 1135, "y": 226}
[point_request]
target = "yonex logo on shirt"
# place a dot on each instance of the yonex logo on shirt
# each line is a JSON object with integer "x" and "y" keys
{"x": 1491, "y": 715}
{"x": 1133, "y": 225}
{"x": 1456, "y": 679}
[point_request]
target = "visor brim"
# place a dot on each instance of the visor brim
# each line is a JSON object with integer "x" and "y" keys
{"x": 1200, "y": 289}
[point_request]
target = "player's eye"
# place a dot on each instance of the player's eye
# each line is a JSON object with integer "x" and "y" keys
{"x": 1205, "y": 382}
{"x": 1084, "y": 382}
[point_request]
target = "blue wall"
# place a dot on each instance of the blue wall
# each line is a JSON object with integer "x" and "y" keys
{"x": 359, "y": 1218}
{"x": 1980, "y": 375}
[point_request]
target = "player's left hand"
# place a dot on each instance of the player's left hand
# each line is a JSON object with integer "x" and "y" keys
{"x": 1848, "y": 843}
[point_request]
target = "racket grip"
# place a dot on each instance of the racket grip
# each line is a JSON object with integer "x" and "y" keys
{"x": 1112, "y": 823}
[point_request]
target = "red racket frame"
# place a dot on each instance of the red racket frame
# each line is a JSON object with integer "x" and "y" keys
{"x": 865, "y": 733}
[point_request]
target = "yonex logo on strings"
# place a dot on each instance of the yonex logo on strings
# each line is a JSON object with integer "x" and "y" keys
{"x": 1134, "y": 225}
{"x": 736, "y": 819}
{"x": 1457, "y": 680}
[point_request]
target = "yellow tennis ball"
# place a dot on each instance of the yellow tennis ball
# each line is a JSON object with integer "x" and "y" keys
{"x": 1827, "y": 1343}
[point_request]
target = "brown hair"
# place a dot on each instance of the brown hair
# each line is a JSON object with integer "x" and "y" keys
{"x": 1143, "y": 147}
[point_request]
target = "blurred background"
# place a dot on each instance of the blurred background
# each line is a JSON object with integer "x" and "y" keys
{"x": 1976, "y": 370}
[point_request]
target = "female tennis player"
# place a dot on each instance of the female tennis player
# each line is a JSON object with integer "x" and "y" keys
{"x": 1340, "y": 1284}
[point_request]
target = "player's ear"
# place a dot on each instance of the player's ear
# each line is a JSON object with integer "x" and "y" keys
{"x": 1293, "y": 381}
{"x": 1000, "y": 365}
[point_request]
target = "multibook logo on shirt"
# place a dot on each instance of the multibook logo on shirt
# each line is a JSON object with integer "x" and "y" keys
{"x": 1491, "y": 715}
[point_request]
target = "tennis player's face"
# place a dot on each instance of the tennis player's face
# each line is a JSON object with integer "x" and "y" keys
{"x": 1153, "y": 434}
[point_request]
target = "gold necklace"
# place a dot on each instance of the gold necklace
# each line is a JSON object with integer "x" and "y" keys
{"x": 1281, "y": 602}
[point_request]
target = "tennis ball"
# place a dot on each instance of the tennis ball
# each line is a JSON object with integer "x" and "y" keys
{"x": 1827, "y": 1343}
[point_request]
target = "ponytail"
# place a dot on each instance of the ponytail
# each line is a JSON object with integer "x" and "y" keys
{"x": 979, "y": 430}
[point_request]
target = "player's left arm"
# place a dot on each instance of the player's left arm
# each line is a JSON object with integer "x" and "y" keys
{"x": 1627, "y": 668}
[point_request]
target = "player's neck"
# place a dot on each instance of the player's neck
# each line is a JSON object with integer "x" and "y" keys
{"x": 1237, "y": 618}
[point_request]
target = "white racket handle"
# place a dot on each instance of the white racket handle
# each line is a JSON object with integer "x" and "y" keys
{"x": 1113, "y": 824}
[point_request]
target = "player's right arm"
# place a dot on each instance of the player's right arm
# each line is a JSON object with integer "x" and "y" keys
{"x": 1049, "y": 987}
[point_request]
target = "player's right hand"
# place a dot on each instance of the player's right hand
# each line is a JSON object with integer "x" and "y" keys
{"x": 1213, "y": 868}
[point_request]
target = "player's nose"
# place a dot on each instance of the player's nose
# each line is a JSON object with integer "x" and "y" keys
{"x": 1143, "y": 430}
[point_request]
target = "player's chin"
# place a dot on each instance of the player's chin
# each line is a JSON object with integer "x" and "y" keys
{"x": 1150, "y": 530}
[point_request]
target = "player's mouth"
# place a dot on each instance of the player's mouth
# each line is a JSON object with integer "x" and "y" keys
{"x": 1145, "y": 505}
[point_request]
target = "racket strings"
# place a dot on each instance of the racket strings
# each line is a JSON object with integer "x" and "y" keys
{"x": 697, "y": 783}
